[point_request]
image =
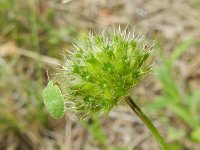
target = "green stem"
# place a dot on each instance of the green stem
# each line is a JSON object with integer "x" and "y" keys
{"x": 147, "y": 122}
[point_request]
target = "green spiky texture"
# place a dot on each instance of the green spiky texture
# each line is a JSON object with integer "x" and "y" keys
{"x": 101, "y": 70}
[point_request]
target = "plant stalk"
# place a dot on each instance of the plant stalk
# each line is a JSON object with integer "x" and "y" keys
{"x": 147, "y": 122}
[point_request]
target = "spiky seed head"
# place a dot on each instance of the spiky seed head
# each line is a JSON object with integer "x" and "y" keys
{"x": 101, "y": 70}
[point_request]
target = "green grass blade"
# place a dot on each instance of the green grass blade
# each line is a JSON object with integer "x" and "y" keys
{"x": 180, "y": 50}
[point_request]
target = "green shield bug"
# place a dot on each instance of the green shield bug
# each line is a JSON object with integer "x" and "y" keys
{"x": 54, "y": 100}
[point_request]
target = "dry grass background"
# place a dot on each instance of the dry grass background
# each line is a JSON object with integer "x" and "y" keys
{"x": 169, "y": 21}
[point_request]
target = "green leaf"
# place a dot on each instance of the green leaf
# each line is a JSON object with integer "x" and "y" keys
{"x": 158, "y": 103}
{"x": 195, "y": 102}
{"x": 181, "y": 49}
{"x": 196, "y": 134}
{"x": 54, "y": 100}
{"x": 175, "y": 134}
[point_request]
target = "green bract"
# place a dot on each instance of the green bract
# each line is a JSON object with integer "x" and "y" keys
{"x": 101, "y": 70}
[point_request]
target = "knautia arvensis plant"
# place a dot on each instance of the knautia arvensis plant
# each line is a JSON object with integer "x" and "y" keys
{"x": 98, "y": 74}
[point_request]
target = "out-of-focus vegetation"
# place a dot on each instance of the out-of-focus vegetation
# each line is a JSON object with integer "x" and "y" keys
{"x": 29, "y": 25}
{"x": 33, "y": 25}
{"x": 32, "y": 29}
{"x": 178, "y": 98}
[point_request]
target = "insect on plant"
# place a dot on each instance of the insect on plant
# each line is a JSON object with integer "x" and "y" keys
{"x": 54, "y": 100}
{"x": 98, "y": 74}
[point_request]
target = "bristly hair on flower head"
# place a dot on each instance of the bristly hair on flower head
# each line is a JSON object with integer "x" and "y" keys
{"x": 101, "y": 70}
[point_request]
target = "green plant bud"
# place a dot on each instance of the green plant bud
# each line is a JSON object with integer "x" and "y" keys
{"x": 101, "y": 70}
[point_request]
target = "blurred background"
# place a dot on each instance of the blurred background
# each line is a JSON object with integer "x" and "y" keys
{"x": 33, "y": 37}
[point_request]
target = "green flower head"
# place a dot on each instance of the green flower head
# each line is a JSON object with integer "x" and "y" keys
{"x": 101, "y": 70}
